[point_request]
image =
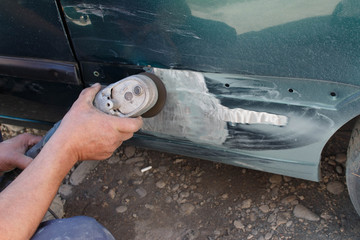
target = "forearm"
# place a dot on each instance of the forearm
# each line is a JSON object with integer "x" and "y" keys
{"x": 24, "y": 203}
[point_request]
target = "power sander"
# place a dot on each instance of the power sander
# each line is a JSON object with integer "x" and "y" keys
{"x": 143, "y": 95}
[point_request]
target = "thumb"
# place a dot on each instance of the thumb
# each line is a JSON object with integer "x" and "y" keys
{"x": 89, "y": 93}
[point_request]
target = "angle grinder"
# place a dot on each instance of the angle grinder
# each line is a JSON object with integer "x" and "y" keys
{"x": 143, "y": 95}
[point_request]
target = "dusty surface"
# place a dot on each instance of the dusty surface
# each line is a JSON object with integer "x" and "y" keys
{"x": 185, "y": 198}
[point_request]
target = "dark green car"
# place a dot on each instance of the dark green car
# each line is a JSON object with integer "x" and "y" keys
{"x": 261, "y": 84}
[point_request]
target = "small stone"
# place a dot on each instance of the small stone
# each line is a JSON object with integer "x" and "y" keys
{"x": 113, "y": 159}
{"x": 130, "y": 151}
{"x": 160, "y": 184}
{"x": 339, "y": 169}
{"x": 335, "y": 187}
{"x": 239, "y": 225}
{"x": 264, "y": 208}
{"x": 65, "y": 190}
{"x": 81, "y": 171}
{"x": 289, "y": 223}
{"x": 275, "y": 179}
{"x": 246, "y": 204}
{"x": 112, "y": 193}
{"x": 341, "y": 158}
{"x": 288, "y": 200}
{"x": 150, "y": 207}
{"x": 134, "y": 160}
{"x": 141, "y": 192}
{"x": 168, "y": 199}
{"x": 332, "y": 162}
{"x": 179, "y": 160}
{"x": 287, "y": 179}
{"x": 268, "y": 236}
{"x": 184, "y": 194}
{"x": 225, "y": 196}
{"x": 187, "y": 208}
{"x": 271, "y": 218}
{"x": 302, "y": 212}
{"x": 325, "y": 215}
{"x": 138, "y": 172}
{"x": 121, "y": 209}
{"x": 253, "y": 217}
{"x": 14, "y": 128}
{"x": 175, "y": 187}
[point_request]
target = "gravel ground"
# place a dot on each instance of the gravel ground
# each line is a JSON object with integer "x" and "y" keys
{"x": 186, "y": 198}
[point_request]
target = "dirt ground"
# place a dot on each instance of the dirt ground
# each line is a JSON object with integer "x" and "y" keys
{"x": 185, "y": 198}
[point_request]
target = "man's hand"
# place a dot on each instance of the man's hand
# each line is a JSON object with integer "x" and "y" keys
{"x": 90, "y": 134}
{"x": 12, "y": 151}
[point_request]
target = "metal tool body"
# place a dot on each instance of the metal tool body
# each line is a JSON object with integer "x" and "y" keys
{"x": 139, "y": 95}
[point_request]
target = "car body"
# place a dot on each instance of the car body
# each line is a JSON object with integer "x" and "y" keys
{"x": 253, "y": 83}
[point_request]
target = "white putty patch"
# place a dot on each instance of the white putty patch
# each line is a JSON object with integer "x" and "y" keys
{"x": 193, "y": 113}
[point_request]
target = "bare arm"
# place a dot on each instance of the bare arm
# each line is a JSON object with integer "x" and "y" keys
{"x": 85, "y": 133}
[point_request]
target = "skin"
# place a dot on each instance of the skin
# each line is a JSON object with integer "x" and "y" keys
{"x": 85, "y": 133}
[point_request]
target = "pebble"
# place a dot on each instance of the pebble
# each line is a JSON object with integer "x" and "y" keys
{"x": 187, "y": 208}
{"x": 264, "y": 208}
{"x": 239, "y": 225}
{"x": 160, "y": 184}
{"x": 275, "y": 179}
{"x": 113, "y": 159}
{"x": 339, "y": 169}
{"x": 65, "y": 190}
{"x": 121, "y": 209}
{"x": 268, "y": 236}
{"x": 288, "y": 200}
{"x": 340, "y": 158}
{"x": 332, "y": 162}
{"x": 287, "y": 179}
{"x": 150, "y": 207}
{"x": 112, "y": 193}
{"x": 81, "y": 171}
{"x": 302, "y": 212}
{"x": 253, "y": 217}
{"x": 246, "y": 204}
{"x": 271, "y": 218}
{"x": 134, "y": 160}
{"x": 335, "y": 187}
{"x": 289, "y": 223}
{"x": 225, "y": 196}
{"x": 130, "y": 151}
{"x": 141, "y": 192}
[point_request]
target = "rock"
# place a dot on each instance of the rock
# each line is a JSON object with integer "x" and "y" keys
{"x": 81, "y": 171}
{"x": 341, "y": 158}
{"x": 160, "y": 184}
{"x": 326, "y": 216}
{"x": 288, "y": 200}
{"x": 134, "y": 160}
{"x": 149, "y": 206}
{"x": 225, "y": 196}
{"x": 339, "y": 169}
{"x": 264, "y": 208}
{"x": 302, "y": 212}
{"x": 141, "y": 192}
{"x": 289, "y": 223}
{"x": 239, "y": 225}
{"x": 14, "y": 128}
{"x": 275, "y": 179}
{"x": 271, "y": 218}
{"x": 113, "y": 159}
{"x": 335, "y": 187}
{"x": 287, "y": 179}
{"x": 246, "y": 204}
{"x": 130, "y": 151}
{"x": 112, "y": 193}
{"x": 65, "y": 190}
{"x": 57, "y": 207}
{"x": 253, "y": 217}
{"x": 268, "y": 235}
{"x": 332, "y": 162}
{"x": 121, "y": 209}
{"x": 184, "y": 194}
{"x": 187, "y": 208}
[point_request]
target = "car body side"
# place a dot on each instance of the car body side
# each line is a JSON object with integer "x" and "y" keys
{"x": 258, "y": 84}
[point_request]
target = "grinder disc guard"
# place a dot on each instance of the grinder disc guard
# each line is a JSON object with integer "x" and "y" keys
{"x": 138, "y": 95}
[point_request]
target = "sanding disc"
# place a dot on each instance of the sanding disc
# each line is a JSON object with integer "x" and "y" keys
{"x": 160, "y": 103}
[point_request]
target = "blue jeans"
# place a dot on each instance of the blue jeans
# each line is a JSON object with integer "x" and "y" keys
{"x": 75, "y": 228}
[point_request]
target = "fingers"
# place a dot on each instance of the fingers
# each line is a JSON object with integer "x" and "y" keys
{"x": 22, "y": 161}
{"x": 30, "y": 140}
{"x": 127, "y": 125}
